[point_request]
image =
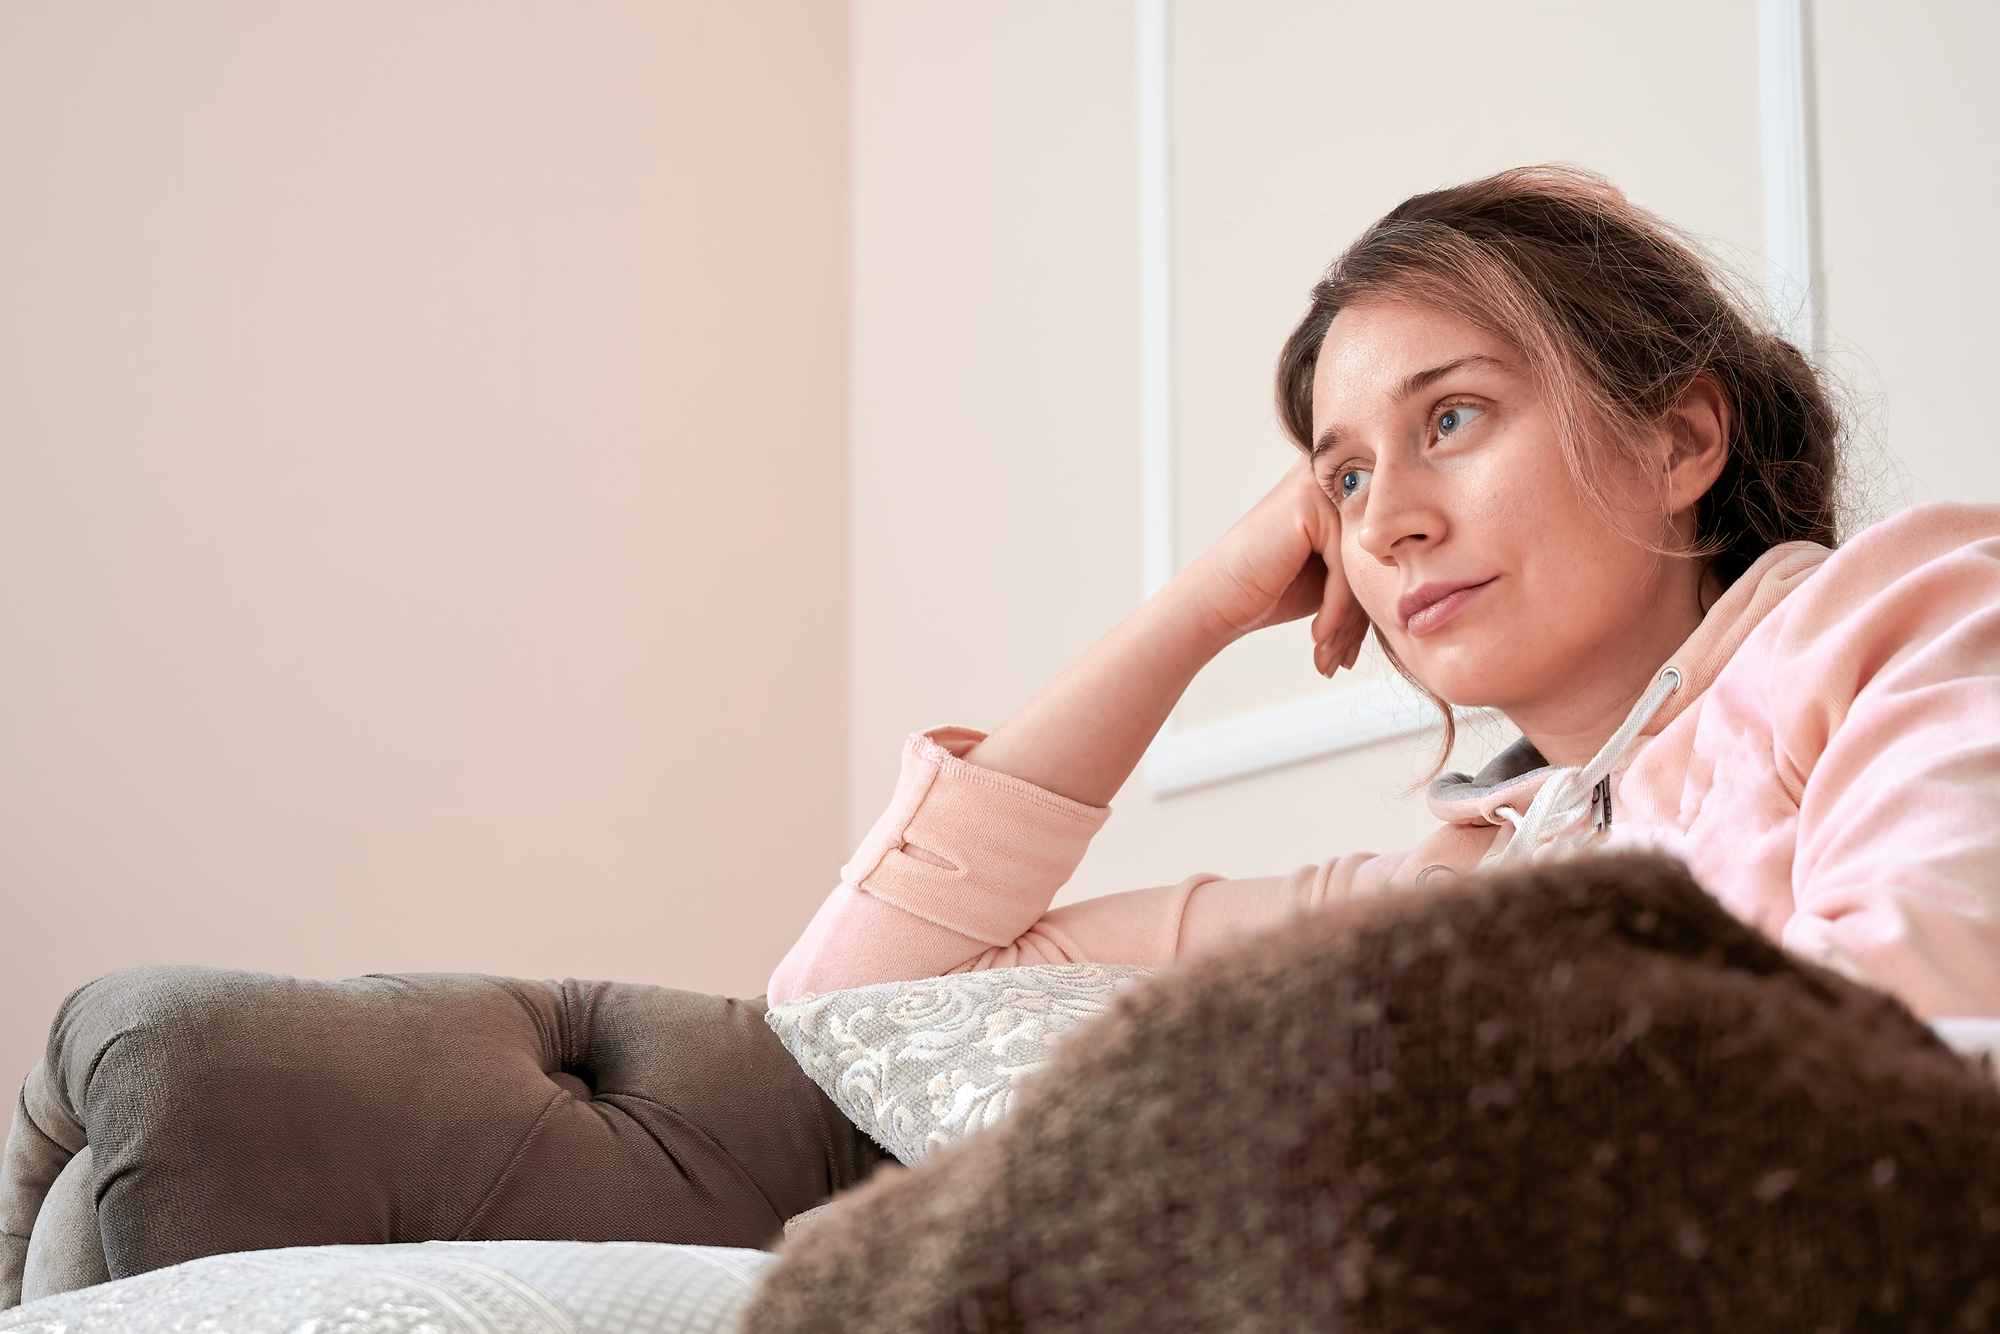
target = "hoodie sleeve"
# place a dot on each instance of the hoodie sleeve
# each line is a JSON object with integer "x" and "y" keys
{"x": 959, "y": 872}
{"x": 1884, "y": 682}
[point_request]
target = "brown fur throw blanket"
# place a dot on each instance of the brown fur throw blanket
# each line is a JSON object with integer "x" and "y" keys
{"x": 1582, "y": 1097}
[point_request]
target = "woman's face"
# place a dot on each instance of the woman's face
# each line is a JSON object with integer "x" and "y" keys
{"x": 1466, "y": 538}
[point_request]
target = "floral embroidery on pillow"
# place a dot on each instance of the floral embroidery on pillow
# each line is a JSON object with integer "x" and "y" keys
{"x": 918, "y": 1065}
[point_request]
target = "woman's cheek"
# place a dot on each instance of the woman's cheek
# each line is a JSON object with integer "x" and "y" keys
{"x": 1374, "y": 588}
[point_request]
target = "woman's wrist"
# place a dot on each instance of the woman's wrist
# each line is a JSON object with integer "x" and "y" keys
{"x": 1190, "y": 597}
{"x": 1183, "y": 613}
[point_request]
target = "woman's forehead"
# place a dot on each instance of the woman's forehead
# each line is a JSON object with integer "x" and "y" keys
{"x": 1377, "y": 355}
{"x": 1379, "y": 345}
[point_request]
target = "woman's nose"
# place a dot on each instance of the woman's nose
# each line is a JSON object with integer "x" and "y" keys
{"x": 1400, "y": 512}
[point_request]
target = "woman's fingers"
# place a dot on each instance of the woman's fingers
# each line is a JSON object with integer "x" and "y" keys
{"x": 1354, "y": 643}
{"x": 1324, "y": 660}
{"x": 1340, "y": 624}
{"x": 1341, "y": 650}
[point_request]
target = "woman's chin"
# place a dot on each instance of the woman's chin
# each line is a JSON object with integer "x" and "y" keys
{"x": 1461, "y": 684}
{"x": 1451, "y": 660}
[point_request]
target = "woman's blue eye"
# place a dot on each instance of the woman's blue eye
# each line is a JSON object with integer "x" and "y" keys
{"x": 1452, "y": 419}
{"x": 1350, "y": 481}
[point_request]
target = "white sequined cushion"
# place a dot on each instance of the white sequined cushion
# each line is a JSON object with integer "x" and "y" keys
{"x": 436, "y": 1287}
{"x": 918, "y": 1065}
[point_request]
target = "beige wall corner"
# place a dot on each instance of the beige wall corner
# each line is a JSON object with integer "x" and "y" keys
{"x": 422, "y": 489}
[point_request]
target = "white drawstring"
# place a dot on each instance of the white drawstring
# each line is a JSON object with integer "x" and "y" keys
{"x": 1566, "y": 797}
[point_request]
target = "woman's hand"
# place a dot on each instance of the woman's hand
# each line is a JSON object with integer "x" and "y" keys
{"x": 1279, "y": 562}
{"x": 1082, "y": 735}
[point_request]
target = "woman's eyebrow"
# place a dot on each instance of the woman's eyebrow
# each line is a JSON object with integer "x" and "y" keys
{"x": 1416, "y": 383}
{"x": 1422, "y": 380}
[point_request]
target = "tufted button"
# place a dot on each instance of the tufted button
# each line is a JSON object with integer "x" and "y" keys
{"x": 573, "y": 1083}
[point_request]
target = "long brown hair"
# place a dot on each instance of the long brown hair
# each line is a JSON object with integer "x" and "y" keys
{"x": 1618, "y": 315}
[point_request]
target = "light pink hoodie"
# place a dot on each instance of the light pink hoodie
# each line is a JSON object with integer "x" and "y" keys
{"x": 1829, "y": 768}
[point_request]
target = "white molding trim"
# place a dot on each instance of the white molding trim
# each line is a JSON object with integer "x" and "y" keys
{"x": 1359, "y": 714}
{"x": 1302, "y": 730}
{"x": 1785, "y": 116}
{"x": 1156, "y": 291}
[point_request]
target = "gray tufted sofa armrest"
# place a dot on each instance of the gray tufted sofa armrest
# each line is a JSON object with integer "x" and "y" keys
{"x": 182, "y": 1112}
{"x": 48, "y": 1228}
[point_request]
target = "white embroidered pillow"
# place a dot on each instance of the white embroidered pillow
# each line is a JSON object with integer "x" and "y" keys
{"x": 918, "y": 1065}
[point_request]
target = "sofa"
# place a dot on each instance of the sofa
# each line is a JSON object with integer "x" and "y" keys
{"x": 188, "y": 1112}
{"x": 1580, "y": 1096}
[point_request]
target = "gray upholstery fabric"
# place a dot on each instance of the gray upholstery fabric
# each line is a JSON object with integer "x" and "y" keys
{"x": 231, "y": 1111}
{"x": 40, "y": 1143}
{"x": 65, "y": 1253}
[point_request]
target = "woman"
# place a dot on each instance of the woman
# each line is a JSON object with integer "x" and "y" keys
{"x": 1564, "y": 475}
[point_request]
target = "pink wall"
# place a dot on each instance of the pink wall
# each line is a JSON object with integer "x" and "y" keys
{"x": 423, "y": 488}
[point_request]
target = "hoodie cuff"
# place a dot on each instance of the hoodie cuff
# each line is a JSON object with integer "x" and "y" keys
{"x": 972, "y": 850}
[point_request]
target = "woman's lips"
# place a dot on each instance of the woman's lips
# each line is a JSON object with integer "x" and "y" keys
{"x": 1428, "y": 606}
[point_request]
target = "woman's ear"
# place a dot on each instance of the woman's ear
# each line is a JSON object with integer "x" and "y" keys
{"x": 1697, "y": 444}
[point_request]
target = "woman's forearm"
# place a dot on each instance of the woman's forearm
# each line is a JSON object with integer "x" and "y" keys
{"x": 1082, "y": 736}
